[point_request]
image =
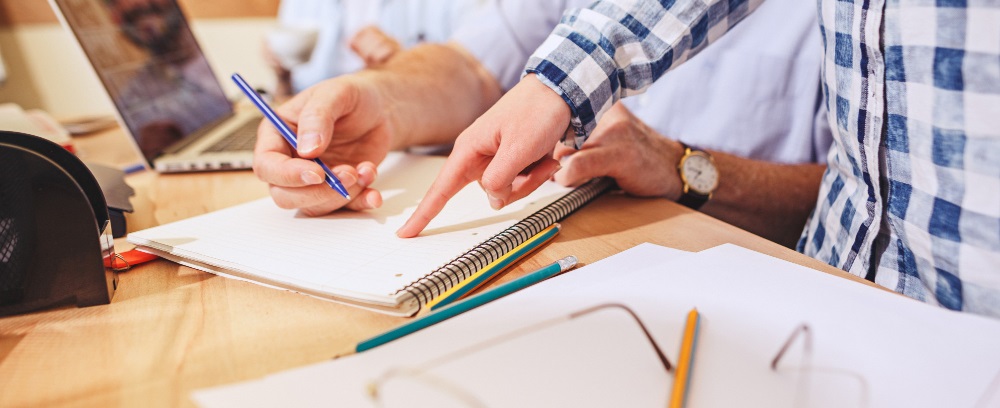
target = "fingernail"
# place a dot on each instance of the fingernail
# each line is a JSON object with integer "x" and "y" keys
{"x": 374, "y": 201}
{"x": 495, "y": 202}
{"x": 308, "y": 142}
{"x": 554, "y": 171}
{"x": 309, "y": 177}
{"x": 346, "y": 178}
{"x": 364, "y": 174}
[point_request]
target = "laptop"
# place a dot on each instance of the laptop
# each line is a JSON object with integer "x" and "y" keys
{"x": 166, "y": 96}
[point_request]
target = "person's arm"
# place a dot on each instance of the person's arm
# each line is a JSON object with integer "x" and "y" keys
{"x": 772, "y": 200}
{"x": 433, "y": 92}
{"x": 769, "y": 199}
{"x": 595, "y": 56}
{"x": 617, "y": 48}
{"x": 425, "y": 95}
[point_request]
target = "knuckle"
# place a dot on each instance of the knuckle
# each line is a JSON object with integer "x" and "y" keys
{"x": 314, "y": 212}
{"x": 311, "y": 115}
{"x": 281, "y": 200}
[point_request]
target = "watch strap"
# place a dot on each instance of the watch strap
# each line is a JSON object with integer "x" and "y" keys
{"x": 692, "y": 200}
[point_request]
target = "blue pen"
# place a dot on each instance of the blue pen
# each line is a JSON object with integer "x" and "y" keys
{"x": 134, "y": 168}
{"x": 470, "y": 303}
{"x": 286, "y": 132}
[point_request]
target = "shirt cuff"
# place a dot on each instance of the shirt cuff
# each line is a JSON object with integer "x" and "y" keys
{"x": 579, "y": 132}
{"x": 580, "y": 70}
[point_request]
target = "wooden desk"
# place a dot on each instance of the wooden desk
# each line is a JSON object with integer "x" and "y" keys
{"x": 172, "y": 329}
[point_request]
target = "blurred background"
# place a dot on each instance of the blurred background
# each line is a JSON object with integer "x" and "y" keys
{"x": 47, "y": 70}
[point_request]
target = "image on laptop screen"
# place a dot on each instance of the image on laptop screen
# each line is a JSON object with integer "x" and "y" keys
{"x": 152, "y": 67}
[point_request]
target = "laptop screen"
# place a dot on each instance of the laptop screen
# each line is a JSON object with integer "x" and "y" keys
{"x": 151, "y": 65}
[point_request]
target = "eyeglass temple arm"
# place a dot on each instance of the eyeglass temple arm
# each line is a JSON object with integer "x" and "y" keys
{"x": 803, "y": 328}
{"x": 663, "y": 357}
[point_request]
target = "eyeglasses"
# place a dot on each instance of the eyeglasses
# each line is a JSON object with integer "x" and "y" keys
{"x": 621, "y": 361}
{"x": 850, "y": 390}
{"x": 991, "y": 398}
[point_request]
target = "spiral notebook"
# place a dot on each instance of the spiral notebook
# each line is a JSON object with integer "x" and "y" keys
{"x": 355, "y": 257}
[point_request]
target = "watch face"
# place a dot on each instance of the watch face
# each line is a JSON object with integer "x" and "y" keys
{"x": 699, "y": 172}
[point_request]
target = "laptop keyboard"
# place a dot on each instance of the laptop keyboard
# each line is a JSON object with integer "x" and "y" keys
{"x": 243, "y": 138}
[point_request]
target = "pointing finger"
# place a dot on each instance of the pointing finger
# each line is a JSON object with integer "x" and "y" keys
{"x": 458, "y": 172}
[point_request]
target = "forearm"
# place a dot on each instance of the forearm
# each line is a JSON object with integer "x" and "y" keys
{"x": 617, "y": 48}
{"x": 769, "y": 199}
{"x": 432, "y": 92}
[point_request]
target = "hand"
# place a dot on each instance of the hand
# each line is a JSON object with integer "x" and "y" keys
{"x": 508, "y": 150}
{"x": 374, "y": 46}
{"x": 343, "y": 122}
{"x": 641, "y": 161}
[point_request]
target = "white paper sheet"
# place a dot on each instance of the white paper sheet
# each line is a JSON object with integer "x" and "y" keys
{"x": 908, "y": 353}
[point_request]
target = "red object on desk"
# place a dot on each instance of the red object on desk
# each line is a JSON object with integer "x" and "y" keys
{"x": 125, "y": 260}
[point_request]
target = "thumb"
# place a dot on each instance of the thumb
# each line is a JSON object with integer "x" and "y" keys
{"x": 583, "y": 166}
{"x": 319, "y": 113}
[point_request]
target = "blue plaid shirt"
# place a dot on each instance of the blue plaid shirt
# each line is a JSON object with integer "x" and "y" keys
{"x": 911, "y": 196}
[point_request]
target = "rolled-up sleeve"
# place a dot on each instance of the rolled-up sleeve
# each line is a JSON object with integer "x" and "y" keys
{"x": 617, "y": 48}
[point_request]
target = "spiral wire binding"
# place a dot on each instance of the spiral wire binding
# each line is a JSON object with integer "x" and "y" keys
{"x": 441, "y": 279}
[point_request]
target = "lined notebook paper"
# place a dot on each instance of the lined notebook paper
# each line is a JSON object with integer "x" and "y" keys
{"x": 355, "y": 257}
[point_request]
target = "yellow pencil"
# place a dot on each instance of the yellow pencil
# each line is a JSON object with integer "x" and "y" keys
{"x": 484, "y": 275}
{"x": 685, "y": 364}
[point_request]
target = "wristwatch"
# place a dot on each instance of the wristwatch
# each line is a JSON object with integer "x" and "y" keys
{"x": 699, "y": 177}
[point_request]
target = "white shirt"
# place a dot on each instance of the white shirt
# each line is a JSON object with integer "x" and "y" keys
{"x": 408, "y": 21}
